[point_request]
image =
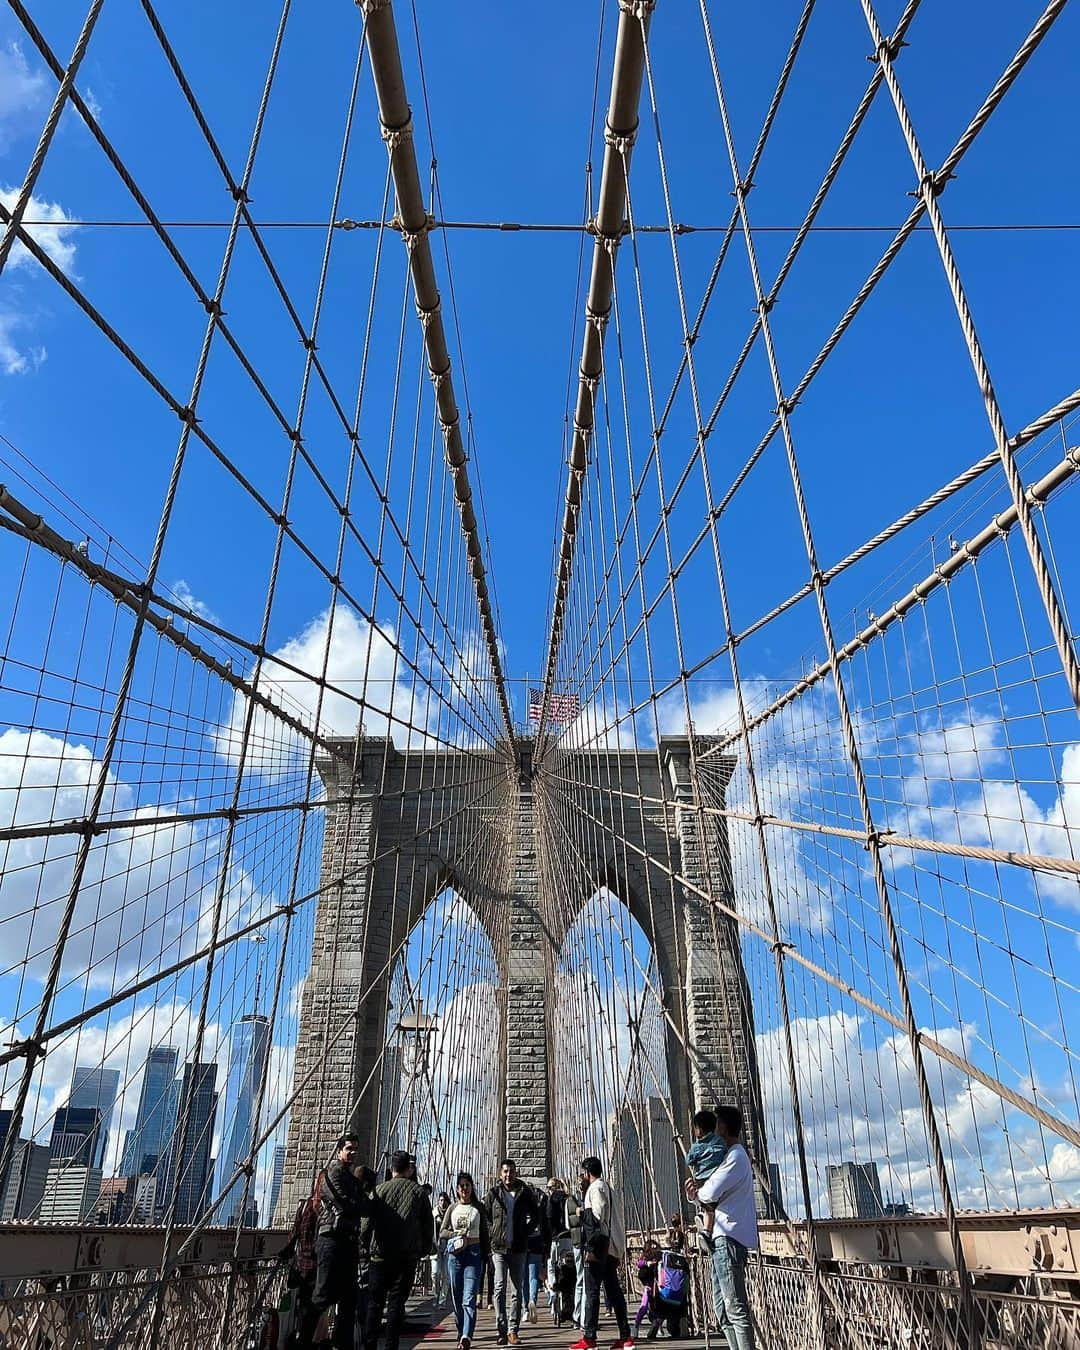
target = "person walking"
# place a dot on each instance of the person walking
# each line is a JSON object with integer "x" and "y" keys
{"x": 601, "y": 1238}
{"x": 735, "y": 1231}
{"x": 511, "y": 1212}
{"x": 400, "y": 1232}
{"x": 537, "y": 1255}
{"x": 300, "y": 1257}
{"x": 464, "y": 1236}
{"x": 442, "y": 1278}
{"x": 342, "y": 1207}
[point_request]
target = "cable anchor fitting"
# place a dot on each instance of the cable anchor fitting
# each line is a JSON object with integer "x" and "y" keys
{"x": 370, "y": 7}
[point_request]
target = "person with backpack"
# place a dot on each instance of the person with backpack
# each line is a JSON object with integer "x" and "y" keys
{"x": 601, "y": 1238}
{"x": 512, "y": 1216}
{"x": 342, "y": 1208}
{"x": 399, "y": 1231}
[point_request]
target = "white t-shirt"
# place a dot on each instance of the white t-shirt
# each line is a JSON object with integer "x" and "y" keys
{"x": 731, "y": 1190}
{"x": 463, "y": 1222}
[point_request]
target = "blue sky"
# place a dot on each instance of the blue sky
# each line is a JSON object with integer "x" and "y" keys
{"x": 510, "y": 102}
{"x": 895, "y": 412}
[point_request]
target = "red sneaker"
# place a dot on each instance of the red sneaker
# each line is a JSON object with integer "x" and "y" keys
{"x": 584, "y": 1344}
{"x": 628, "y": 1344}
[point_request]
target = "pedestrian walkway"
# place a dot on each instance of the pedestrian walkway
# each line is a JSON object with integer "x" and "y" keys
{"x": 428, "y": 1323}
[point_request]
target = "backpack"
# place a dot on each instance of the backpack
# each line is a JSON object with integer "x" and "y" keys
{"x": 672, "y": 1278}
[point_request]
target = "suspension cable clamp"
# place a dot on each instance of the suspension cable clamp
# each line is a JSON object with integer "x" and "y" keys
{"x": 296, "y": 436}
{"x": 187, "y": 416}
{"x": 742, "y": 189}
{"x": 818, "y": 578}
{"x": 281, "y": 520}
{"x": 30, "y": 1048}
{"x": 213, "y": 308}
{"x": 598, "y": 320}
{"x": 426, "y": 315}
{"x": 308, "y": 343}
{"x": 239, "y": 194}
{"x": 413, "y": 237}
{"x": 637, "y": 9}
{"x": 622, "y": 142}
{"x": 370, "y": 7}
{"x": 785, "y": 407}
{"x": 346, "y": 223}
{"x": 395, "y": 136}
{"x": 887, "y": 49}
{"x": 764, "y": 305}
{"x": 781, "y": 948}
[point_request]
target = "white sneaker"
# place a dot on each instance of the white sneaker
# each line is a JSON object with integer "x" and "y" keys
{"x": 532, "y": 1312}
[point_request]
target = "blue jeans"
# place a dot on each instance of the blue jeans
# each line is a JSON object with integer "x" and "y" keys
{"x": 535, "y": 1267}
{"x": 465, "y": 1269}
{"x": 729, "y": 1293}
{"x": 579, "y": 1287}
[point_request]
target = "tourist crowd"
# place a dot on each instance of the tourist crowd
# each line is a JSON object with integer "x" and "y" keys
{"x": 360, "y": 1247}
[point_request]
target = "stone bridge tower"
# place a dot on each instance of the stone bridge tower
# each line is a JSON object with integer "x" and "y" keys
{"x": 382, "y": 865}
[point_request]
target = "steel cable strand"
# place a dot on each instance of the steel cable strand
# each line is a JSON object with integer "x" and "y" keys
{"x": 60, "y": 99}
{"x": 929, "y": 1111}
{"x": 928, "y": 189}
{"x": 206, "y": 301}
{"x": 97, "y": 797}
{"x": 818, "y": 1310}
{"x": 819, "y": 198}
{"x": 309, "y": 348}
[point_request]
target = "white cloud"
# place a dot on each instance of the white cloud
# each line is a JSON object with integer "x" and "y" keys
{"x": 860, "y": 1103}
{"x": 14, "y": 359}
{"x": 131, "y": 903}
{"x": 185, "y": 596}
{"x": 53, "y": 236}
{"x": 21, "y": 89}
{"x": 147, "y": 891}
{"x": 368, "y": 682}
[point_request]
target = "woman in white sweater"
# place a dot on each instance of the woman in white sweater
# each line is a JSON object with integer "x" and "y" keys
{"x": 465, "y": 1229}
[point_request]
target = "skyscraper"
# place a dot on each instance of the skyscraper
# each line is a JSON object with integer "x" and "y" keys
{"x": 854, "y": 1191}
{"x": 191, "y": 1164}
{"x": 276, "y": 1176}
{"x": 247, "y": 1063}
{"x": 94, "y": 1089}
{"x": 75, "y": 1134}
{"x": 146, "y": 1142}
{"x": 21, "y": 1197}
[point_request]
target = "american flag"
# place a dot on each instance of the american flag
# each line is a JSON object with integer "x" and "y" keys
{"x": 562, "y": 708}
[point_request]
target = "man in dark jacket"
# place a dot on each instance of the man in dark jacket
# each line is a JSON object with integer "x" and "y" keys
{"x": 400, "y": 1231}
{"x": 512, "y": 1216}
{"x": 342, "y": 1206}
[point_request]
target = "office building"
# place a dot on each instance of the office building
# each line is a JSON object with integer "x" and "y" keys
{"x": 25, "y": 1186}
{"x": 276, "y": 1175}
{"x": 94, "y": 1089}
{"x": 70, "y": 1193}
{"x": 854, "y": 1191}
{"x": 149, "y": 1137}
{"x": 188, "y": 1165}
{"x": 247, "y": 1063}
{"x": 75, "y": 1135}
